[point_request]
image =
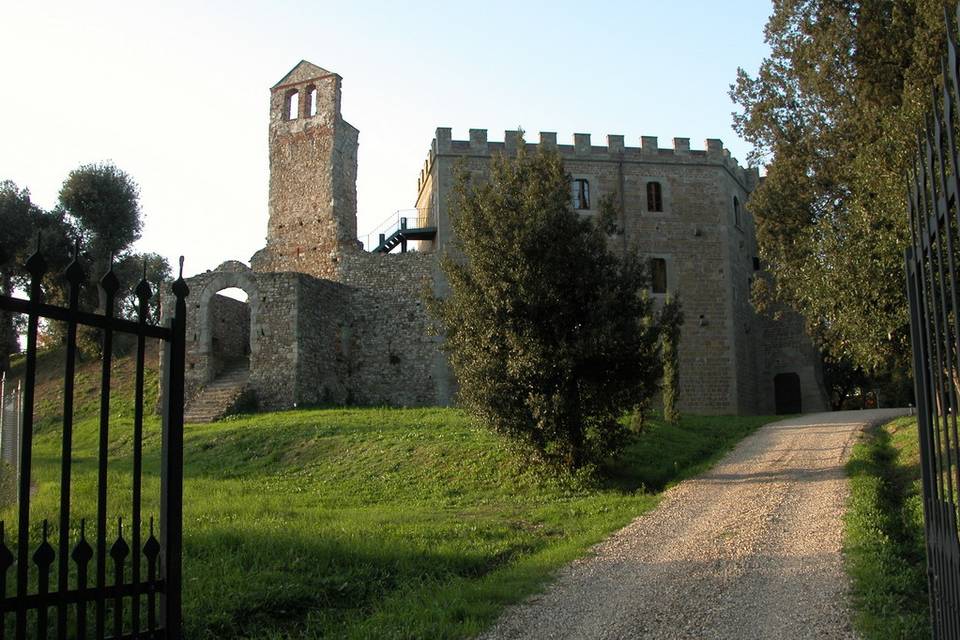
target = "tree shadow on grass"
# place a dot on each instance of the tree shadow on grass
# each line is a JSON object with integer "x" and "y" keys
{"x": 254, "y": 585}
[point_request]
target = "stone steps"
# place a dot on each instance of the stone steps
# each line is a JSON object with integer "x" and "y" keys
{"x": 219, "y": 398}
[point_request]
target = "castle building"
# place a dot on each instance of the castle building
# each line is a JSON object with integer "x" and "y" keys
{"x": 328, "y": 320}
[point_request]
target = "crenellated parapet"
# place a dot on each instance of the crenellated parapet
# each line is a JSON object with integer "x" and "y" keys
{"x": 615, "y": 150}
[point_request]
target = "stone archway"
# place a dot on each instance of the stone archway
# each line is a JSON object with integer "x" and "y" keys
{"x": 225, "y": 322}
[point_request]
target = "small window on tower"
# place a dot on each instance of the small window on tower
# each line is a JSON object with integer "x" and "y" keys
{"x": 736, "y": 212}
{"x": 291, "y": 110}
{"x": 658, "y": 275}
{"x": 581, "y": 193}
{"x": 654, "y": 197}
{"x": 311, "y": 102}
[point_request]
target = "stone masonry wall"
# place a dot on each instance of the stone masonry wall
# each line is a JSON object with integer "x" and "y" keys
{"x": 708, "y": 249}
{"x": 394, "y": 361}
{"x": 323, "y": 342}
{"x": 690, "y": 234}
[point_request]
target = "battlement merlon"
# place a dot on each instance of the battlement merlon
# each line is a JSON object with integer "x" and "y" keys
{"x": 713, "y": 151}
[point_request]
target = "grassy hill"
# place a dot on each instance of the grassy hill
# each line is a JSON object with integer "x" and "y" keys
{"x": 359, "y": 523}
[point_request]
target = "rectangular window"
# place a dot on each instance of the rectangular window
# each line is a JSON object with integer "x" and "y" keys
{"x": 658, "y": 275}
{"x": 580, "y": 192}
{"x": 654, "y": 197}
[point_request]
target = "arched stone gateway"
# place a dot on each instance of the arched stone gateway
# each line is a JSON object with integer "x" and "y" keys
{"x": 226, "y": 324}
{"x": 221, "y": 341}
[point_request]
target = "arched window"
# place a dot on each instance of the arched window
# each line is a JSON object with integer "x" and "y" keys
{"x": 736, "y": 212}
{"x": 658, "y": 275}
{"x": 654, "y": 197}
{"x": 291, "y": 107}
{"x": 311, "y": 101}
{"x": 580, "y": 192}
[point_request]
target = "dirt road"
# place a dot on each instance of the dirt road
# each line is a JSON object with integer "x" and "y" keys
{"x": 750, "y": 549}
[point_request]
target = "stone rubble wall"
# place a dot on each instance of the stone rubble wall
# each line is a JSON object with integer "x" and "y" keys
{"x": 313, "y": 174}
{"x": 395, "y": 361}
{"x": 324, "y": 356}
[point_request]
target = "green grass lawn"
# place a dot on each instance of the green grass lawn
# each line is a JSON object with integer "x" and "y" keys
{"x": 364, "y": 523}
{"x": 884, "y": 543}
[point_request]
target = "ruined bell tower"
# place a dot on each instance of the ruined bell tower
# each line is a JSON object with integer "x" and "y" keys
{"x": 313, "y": 176}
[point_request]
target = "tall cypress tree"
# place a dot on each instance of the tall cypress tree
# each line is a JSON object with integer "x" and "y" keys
{"x": 834, "y": 111}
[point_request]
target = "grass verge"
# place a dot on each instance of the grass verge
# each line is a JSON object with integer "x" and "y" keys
{"x": 884, "y": 543}
{"x": 361, "y": 523}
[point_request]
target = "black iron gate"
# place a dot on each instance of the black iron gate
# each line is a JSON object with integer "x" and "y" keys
{"x": 119, "y": 604}
{"x": 932, "y": 288}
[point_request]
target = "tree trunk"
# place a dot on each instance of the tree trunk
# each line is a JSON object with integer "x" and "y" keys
{"x": 8, "y": 337}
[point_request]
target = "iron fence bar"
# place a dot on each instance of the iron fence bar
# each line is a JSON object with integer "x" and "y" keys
{"x": 81, "y": 555}
{"x": 921, "y": 387}
{"x": 171, "y": 494}
{"x": 86, "y": 594}
{"x": 943, "y": 578}
{"x": 85, "y": 318}
{"x": 143, "y": 297}
{"x": 952, "y": 351}
{"x": 934, "y": 305}
{"x": 951, "y": 92}
{"x": 920, "y": 219}
{"x": 928, "y": 304}
{"x": 43, "y": 558}
{"x": 918, "y": 229}
{"x": 109, "y": 285}
{"x": 3, "y": 426}
{"x": 119, "y": 553}
{"x": 945, "y": 361}
{"x": 36, "y": 266}
{"x": 74, "y": 276}
{"x": 949, "y": 120}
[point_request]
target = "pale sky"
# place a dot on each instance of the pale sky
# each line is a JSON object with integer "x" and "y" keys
{"x": 176, "y": 93}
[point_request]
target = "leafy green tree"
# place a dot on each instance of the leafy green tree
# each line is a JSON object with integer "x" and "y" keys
{"x": 834, "y": 110}
{"x": 104, "y": 202}
{"x": 17, "y": 214}
{"x": 99, "y": 208}
{"x": 551, "y": 336}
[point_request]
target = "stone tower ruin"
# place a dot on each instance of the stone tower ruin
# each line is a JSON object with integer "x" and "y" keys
{"x": 313, "y": 176}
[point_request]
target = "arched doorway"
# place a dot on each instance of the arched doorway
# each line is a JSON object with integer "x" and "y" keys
{"x": 786, "y": 393}
{"x": 229, "y": 318}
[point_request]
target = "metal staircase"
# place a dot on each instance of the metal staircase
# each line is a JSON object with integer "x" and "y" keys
{"x": 400, "y": 228}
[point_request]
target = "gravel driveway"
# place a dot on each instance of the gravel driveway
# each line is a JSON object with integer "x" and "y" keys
{"x": 750, "y": 549}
